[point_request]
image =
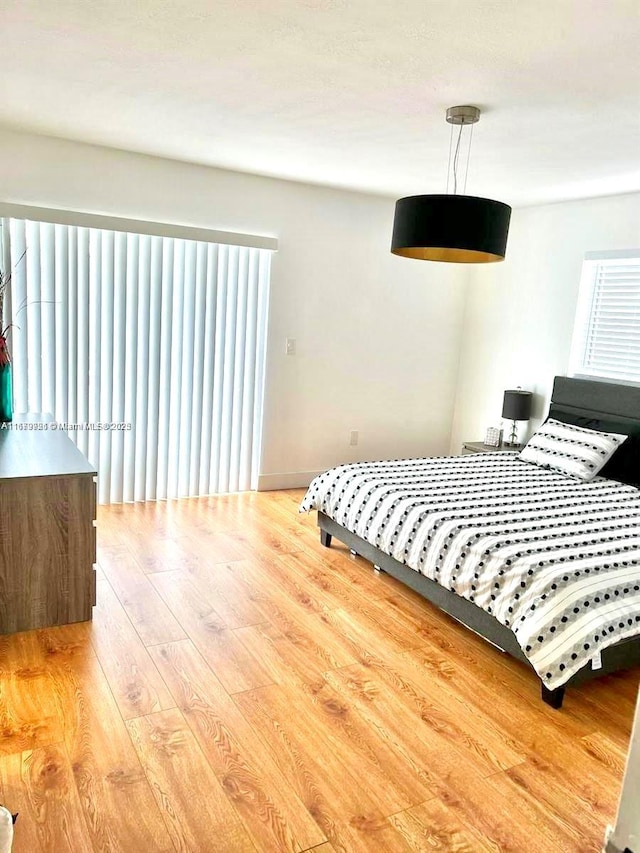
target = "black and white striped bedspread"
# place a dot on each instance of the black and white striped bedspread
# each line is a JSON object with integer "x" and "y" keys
{"x": 555, "y": 560}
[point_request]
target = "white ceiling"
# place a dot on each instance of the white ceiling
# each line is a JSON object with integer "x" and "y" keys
{"x": 348, "y": 93}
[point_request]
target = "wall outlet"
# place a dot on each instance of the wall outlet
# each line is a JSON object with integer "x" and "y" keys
{"x": 290, "y": 346}
{"x": 353, "y": 437}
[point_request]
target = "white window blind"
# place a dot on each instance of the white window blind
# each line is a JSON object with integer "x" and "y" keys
{"x": 165, "y": 334}
{"x": 606, "y": 337}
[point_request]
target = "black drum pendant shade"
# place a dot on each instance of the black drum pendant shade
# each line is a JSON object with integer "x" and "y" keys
{"x": 459, "y": 229}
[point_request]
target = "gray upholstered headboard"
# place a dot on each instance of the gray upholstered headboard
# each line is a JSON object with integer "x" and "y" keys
{"x": 597, "y": 400}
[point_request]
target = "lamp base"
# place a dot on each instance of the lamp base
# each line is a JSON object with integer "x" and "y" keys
{"x": 513, "y": 438}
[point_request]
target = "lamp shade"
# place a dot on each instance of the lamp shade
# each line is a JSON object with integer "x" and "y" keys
{"x": 516, "y": 405}
{"x": 453, "y": 228}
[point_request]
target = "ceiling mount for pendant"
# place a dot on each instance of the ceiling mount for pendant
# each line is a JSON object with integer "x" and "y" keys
{"x": 452, "y": 228}
{"x": 463, "y": 115}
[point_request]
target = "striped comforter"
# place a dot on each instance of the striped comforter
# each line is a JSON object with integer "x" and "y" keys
{"x": 555, "y": 560}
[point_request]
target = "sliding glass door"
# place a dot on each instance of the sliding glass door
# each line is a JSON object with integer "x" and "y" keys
{"x": 149, "y": 350}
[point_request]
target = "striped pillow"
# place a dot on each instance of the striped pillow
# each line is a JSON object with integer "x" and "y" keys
{"x": 571, "y": 450}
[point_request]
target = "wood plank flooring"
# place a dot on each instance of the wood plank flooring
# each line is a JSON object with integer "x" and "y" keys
{"x": 244, "y": 690}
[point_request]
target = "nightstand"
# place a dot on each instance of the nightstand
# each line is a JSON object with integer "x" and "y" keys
{"x": 480, "y": 447}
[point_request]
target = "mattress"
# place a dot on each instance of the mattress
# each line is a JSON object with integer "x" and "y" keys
{"x": 555, "y": 560}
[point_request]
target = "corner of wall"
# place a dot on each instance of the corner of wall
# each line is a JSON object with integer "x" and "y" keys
{"x": 454, "y": 436}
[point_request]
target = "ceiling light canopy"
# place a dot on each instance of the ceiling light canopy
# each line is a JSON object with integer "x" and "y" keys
{"x": 454, "y": 228}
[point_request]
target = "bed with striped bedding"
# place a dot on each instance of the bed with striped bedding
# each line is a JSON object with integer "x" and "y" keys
{"x": 554, "y": 560}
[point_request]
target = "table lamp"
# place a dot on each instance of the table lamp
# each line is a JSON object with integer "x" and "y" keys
{"x": 516, "y": 406}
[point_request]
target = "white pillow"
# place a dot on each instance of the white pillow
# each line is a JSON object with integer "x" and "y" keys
{"x": 571, "y": 450}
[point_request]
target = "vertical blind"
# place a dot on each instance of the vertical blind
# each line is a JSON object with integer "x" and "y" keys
{"x": 606, "y": 338}
{"x": 112, "y": 329}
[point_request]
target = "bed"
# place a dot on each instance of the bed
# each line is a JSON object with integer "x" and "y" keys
{"x": 544, "y": 567}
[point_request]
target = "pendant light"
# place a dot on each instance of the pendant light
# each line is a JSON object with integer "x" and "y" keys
{"x": 459, "y": 229}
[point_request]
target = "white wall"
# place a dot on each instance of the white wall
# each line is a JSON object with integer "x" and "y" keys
{"x": 378, "y": 337}
{"x": 519, "y": 314}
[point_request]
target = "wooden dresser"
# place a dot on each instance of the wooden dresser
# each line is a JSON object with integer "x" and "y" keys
{"x": 47, "y": 532}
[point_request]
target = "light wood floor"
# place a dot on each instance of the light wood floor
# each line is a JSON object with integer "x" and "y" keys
{"x": 243, "y": 689}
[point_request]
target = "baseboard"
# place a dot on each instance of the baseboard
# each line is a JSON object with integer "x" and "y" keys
{"x": 291, "y": 480}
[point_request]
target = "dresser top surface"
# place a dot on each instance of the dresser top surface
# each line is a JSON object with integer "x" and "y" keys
{"x": 32, "y": 446}
{"x": 488, "y": 448}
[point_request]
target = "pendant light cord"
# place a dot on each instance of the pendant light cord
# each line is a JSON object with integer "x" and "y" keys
{"x": 466, "y": 171}
{"x": 455, "y": 162}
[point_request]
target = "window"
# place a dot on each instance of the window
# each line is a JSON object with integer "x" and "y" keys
{"x": 606, "y": 335}
{"x": 158, "y": 341}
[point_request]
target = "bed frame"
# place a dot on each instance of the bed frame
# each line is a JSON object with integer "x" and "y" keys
{"x": 600, "y": 400}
